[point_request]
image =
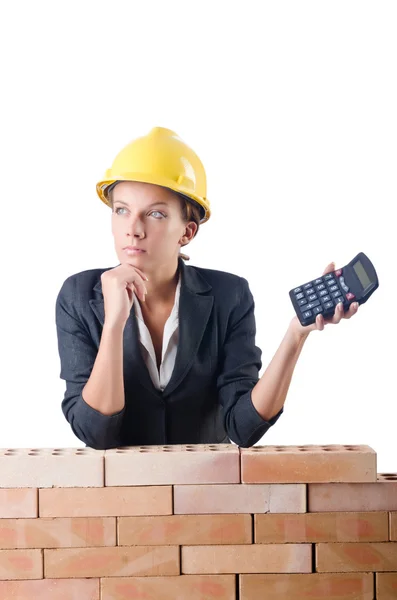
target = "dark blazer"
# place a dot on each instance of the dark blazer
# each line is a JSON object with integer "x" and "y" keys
{"x": 208, "y": 398}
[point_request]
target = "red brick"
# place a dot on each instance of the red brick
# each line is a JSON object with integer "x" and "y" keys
{"x": 345, "y": 557}
{"x": 21, "y": 564}
{"x": 254, "y": 558}
{"x": 50, "y": 589}
{"x": 185, "y": 529}
{"x": 306, "y": 464}
{"x": 112, "y": 562}
{"x": 178, "y": 463}
{"x": 18, "y": 503}
{"x": 105, "y": 502}
{"x": 241, "y": 498}
{"x": 386, "y": 586}
{"x": 393, "y": 526}
{"x": 57, "y": 533}
{"x": 323, "y": 497}
{"x": 51, "y": 467}
{"x": 193, "y": 587}
{"x": 322, "y": 527}
{"x": 315, "y": 586}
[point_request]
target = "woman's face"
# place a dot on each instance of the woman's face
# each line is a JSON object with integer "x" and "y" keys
{"x": 149, "y": 217}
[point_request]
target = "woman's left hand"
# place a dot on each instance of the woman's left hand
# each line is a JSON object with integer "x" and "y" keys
{"x": 320, "y": 322}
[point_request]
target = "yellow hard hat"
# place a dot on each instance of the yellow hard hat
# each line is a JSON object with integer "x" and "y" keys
{"x": 160, "y": 158}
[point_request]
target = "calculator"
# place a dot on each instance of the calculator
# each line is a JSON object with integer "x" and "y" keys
{"x": 353, "y": 283}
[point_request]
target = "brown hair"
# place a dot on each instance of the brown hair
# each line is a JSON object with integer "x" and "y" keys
{"x": 190, "y": 211}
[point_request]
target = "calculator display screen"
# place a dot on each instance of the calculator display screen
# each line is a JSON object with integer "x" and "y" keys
{"x": 361, "y": 274}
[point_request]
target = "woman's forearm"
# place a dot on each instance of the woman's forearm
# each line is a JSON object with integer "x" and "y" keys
{"x": 268, "y": 395}
{"x": 104, "y": 389}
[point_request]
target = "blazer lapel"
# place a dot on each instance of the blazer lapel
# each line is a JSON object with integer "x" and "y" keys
{"x": 194, "y": 312}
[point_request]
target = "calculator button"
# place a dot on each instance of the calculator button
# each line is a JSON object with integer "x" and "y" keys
{"x": 338, "y": 273}
{"x": 312, "y": 297}
{"x": 325, "y": 299}
{"x": 319, "y": 280}
{"x": 301, "y": 302}
{"x": 323, "y": 293}
{"x": 307, "y": 314}
{"x": 350, "y": 296}
{"x": 299, "y": 296}
{"x": 328, "y": 276}
{"x": 331, "y": 282}
{"x": 317, "y": 310}
{"x": 328, "y": 305}
{"x": 296, "y": 290}
{"x": 337, "y": 294}
{"x": 309, "y": 291}
{"x": 320, "y": 287}
{"x": 311, "y": 305}
{"x": 343, "y": 284}
{"x": 307, "y": 285}
{"x": 333, "y": 288}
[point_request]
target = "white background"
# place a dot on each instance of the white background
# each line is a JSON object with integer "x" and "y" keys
{"x": 291, "y": 106}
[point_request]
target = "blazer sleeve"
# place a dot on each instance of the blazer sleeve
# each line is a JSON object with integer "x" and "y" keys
{"x": 241, "y": 363}
{"x": 77, "y": 354}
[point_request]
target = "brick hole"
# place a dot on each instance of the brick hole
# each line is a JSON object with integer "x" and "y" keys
{"x": 214, "y": 449}
{"x": 11, "y": 450}
{"x": 388, "y": 474}
{"x": 392, "y": 478}
{"x": 303, "y": 449}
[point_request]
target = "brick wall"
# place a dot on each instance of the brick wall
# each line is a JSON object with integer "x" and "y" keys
{"x": 197, "y": 522}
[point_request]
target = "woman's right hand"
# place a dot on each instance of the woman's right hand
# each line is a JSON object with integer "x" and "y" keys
{"x": 118, "y": 287}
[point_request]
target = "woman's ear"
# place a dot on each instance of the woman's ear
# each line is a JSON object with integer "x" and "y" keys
{"x": 190, "y": 231}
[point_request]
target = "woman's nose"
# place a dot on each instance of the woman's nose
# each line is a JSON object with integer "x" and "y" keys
{"x": 136, "y": 227}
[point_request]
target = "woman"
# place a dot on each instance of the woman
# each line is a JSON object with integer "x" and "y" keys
{"x": 154, "y": 351}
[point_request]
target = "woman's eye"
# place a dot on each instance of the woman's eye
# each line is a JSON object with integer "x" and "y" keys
{"x": 153, "y": 211}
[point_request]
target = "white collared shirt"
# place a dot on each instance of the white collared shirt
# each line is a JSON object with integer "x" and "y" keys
{"x": 169, "y": 346}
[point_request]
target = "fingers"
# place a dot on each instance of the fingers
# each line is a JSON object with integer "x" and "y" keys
{"x": 320, "y": 322}
{"x": 142, "y": 288}
{"x": 138, "y": 289}
{"x": 339, "y": 313}
{"x": 329, "y": 268}
{"x": 138, "y": 286}
{"x": 353, "y": 308}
